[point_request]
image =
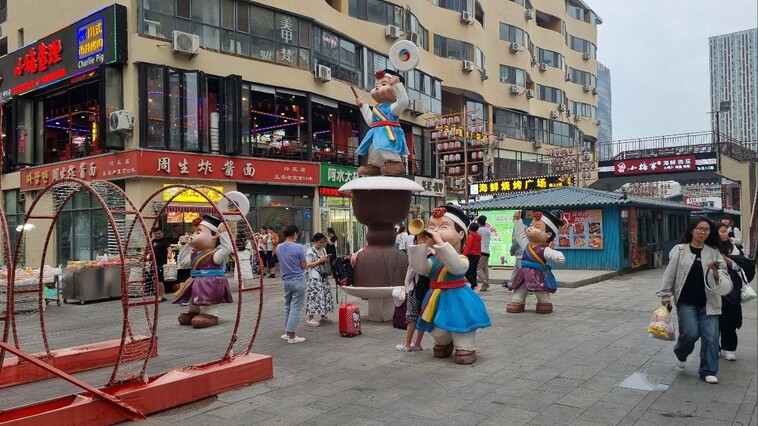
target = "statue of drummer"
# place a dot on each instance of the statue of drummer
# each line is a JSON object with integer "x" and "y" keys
{"x": 385, "y": 141}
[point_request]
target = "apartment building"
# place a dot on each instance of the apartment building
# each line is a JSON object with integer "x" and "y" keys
{"x": 257, "y": 97}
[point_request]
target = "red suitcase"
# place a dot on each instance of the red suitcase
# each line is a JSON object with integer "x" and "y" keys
{"x": 350, "y": 320}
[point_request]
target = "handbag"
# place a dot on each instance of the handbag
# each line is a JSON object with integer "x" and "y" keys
{"x": 747, "y": 294}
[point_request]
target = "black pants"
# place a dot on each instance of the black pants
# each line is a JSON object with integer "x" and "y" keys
{"x": 729, "y": 321}
{"x": 473, "y": 261}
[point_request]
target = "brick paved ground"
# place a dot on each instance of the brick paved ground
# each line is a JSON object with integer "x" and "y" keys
{"x": 563, "y": 368}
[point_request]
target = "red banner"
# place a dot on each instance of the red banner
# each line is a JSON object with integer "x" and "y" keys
{"x": 680, "y": 163}
{"x": 179, "y": 165}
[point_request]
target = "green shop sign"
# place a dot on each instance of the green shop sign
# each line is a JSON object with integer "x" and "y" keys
{"x": 334, "y": 176}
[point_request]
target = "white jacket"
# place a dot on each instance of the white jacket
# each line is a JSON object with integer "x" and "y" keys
{"x": 680, "y": 262}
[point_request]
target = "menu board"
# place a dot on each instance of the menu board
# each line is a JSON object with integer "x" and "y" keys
{"x": 500, "y": 223}
{"x": 583, "y": 230}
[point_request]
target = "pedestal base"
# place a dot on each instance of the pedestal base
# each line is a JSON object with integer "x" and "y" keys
{"x": 381, "y": 305}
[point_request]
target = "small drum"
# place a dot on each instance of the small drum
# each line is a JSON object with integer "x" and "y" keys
{"x": 170, "y": 272}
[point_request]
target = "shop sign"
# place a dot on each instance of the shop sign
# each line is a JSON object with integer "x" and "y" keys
{"x": 658, "y": 165}
{"x": 432, "y": 187}
{"x": 96, "y": 40}
{"x": 179, "y": 165}
{"x": 506, "y": 186}
{"x": 215, "y": 193}
{"x": 332, "y": 192}
{"x": 500, "y": 224}
{"x": 340, "y": 73}
{"x": 583, "y": 230}
{"x": 333, "y": 175}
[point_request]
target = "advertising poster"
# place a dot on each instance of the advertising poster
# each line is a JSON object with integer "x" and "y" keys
{"x": 500, "y": 223}
{"x": 583, "y": 230}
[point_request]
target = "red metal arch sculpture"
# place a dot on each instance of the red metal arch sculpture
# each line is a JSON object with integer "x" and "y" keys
{"x": 134, "y": 349}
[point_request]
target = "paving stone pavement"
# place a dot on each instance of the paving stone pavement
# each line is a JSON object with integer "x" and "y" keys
{"x": 562, "y": 368}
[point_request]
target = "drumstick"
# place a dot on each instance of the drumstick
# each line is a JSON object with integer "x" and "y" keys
{"x": 354, "y": 92}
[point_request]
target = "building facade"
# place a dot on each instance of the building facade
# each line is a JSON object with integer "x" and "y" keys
{"x": 734, "y": 78}
{"x": 604, "y": 108}
{"x": 253, "y": 96}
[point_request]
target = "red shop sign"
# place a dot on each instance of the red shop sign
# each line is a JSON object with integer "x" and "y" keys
{"x": 680, "y": 163}
{"x": 178, "y": 165}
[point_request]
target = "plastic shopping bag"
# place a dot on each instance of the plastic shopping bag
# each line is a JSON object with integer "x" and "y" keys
{"x": 660, "y": 325}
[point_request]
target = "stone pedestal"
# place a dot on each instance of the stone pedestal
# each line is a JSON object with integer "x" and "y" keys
{"x": 380, "y": 203}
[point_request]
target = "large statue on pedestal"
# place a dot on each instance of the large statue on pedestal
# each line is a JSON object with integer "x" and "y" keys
{"x": 205, "y": 251}
{"x": 385, "y": 141}
{"x": 451, "y": 311}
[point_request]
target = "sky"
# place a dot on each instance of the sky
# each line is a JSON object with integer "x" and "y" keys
{"x": 657, "y": 52}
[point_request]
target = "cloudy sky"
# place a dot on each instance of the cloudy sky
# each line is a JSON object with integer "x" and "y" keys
{"x": 657, "y": 51}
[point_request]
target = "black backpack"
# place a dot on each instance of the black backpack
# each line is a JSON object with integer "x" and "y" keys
{"x": 342, "y": 270}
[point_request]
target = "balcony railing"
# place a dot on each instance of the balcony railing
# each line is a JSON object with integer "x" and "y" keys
{"x": 680, "y": 144}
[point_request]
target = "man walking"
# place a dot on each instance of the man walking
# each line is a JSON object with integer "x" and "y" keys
{"x": 483, "y": 269}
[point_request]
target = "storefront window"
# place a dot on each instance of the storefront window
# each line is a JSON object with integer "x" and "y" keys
{"x": 84, "y": 231}
{"x": 508, "y": 122}
{"x": 14, "y": 216}
{"x": 185, "y": 117}
{"x": 156, "y": 91}
{"x": 341, "y": 56}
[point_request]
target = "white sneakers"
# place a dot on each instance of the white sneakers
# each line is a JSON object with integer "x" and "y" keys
{"x": 679, "y": 365}
{"x": 730, "y": 356}
{"x": 712, "y": 380}
{"x": 296, "y": 339}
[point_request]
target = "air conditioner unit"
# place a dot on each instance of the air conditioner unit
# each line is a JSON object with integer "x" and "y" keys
{"x": 515, "y": 89}
{"x": 599, "y": 123}
{"x": 466, "y": 18}
{"x": 515, "y": 47}
{"x": 537, "y": 143}
{"x": 554, "y": 114}
{"x": 484, "y": 74}
{"x": 120, "y": 121}
{"x": 530, "y": 93}
{"x": 503, "y": 136}
{"x": 587, "y": 56}
{"x": 587, "y": 88}
{"x": 561, "y": 107}
{"x": 468, "y": 66}
{"x": 185, "y": 43}
{"x": 323, "y": 73}
{"x": 417, "y": 106}
{"x": 529, "y": 14}
{"x": 568, "y": 77}
{"x": 577, "y": 118}
{"x": 415, "y": 38}
{"x": 543, "y": 67}
{"x": 594, "y": 90}
{"x": 392, "y": 31}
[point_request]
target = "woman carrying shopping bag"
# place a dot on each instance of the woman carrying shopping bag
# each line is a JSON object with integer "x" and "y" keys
{"x": 695, "y": 278}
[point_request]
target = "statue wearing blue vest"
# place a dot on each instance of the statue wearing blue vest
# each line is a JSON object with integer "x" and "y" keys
{"x": 385, "y": 142}
{"x": 534, "y": 274}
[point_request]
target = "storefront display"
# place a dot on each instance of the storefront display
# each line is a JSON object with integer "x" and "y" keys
{"x": 500, "y": 223}
{"x": 583, "y": 230}
{"x": 26, "y": 279}
{"x": 336, "y": 210}
{"x": 95, "y": 280}
{"x": 64, "y": 87}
